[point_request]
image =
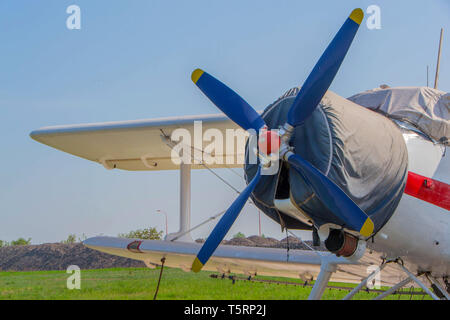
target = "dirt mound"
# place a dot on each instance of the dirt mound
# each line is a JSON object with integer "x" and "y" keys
{"x": 240, "y": 242}
{"x": 296, "y": 243}
{"x": 263, "y": 241}
{"x": 58, "y": 256}
{"x": 256, "y": 241}
{"x": 290, "y": 240}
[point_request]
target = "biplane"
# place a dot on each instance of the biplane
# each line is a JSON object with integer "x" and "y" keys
{"x": 366, "y": 175}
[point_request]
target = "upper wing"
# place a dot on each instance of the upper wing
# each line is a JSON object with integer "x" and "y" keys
{"x": 243, "y": 260}
{"x": 135, "y": 145}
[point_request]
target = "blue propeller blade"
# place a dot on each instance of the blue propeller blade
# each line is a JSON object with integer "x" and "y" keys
{"x": 333, "y": 197}
{"x": 221, "y": 229}
{"x": 228, "y": 101}
{"x": 320, "y": 78}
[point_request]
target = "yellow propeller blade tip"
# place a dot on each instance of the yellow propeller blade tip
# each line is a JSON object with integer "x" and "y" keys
{"x": 367, "y": 228}
{"x": 357, "y": 15}
{"x": 197, "y": 265}
{"x": 196, "y": 75}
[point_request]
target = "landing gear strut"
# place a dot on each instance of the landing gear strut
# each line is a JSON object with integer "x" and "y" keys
{"x": 411, "y": 277}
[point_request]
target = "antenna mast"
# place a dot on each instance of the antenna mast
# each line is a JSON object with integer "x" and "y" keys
{"x": 436, "y": 78}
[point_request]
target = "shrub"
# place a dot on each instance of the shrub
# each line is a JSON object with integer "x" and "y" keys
{"x": 239, "y": 235}
{"x": 146, "y": 234}
{"x": 21, "y": 242}
{"x": 70, "y": 239}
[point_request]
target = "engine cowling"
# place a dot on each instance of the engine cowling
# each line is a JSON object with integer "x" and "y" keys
{"x": 362, "y": 151}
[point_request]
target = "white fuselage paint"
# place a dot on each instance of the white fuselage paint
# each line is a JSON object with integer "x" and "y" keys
{"x": 418, "y": 231}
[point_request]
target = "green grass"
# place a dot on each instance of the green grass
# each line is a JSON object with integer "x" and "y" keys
{"x": 140, "y": 283}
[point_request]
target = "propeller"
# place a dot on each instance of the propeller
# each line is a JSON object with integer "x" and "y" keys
{"x": 238, "y": 110}
{"x": 228, "y": 101}
{"x": 333, "y": 197}
{"x": 309, "y": 96}
{"x": 320, "y": 78}
{"x": 311, "y": 93}
{"x": 225, "y": 223}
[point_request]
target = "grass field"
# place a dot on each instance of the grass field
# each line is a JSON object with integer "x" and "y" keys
{"x": 140, "y": 283}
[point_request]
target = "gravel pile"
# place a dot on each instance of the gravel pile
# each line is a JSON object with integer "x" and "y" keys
{"x": 256, "y": 241}
{"x": 58, "y": 256}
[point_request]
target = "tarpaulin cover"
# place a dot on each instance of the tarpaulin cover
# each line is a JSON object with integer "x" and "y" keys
{"x": 425, "y": 108}
{"x": 360, "y": 150}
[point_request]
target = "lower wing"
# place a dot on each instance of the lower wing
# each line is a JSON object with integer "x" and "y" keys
{"x": 249, "y": 261}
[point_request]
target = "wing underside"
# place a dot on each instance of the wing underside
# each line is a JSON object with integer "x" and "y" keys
{"x": 143, "y": 144}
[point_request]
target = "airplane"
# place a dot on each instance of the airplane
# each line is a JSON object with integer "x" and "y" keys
{"x": 366, "y": 175}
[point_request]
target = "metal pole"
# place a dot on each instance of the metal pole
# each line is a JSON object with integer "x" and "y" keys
{"x": 185, "y": 206}
{"x": 364, "y": 282}
{"x": 436, "y": 78}
{"x": 167, "y": 225}
{"x": 185, "y": 201}
{"x": 393, "y": 289}
{"x": 259, "y": 214}
{"x": 416, "y": 280}
{"x": 326, "y": 270}
{"x": 197, "y": 226}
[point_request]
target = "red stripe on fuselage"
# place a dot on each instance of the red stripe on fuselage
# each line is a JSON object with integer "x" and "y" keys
{"x": 429, "y": 190}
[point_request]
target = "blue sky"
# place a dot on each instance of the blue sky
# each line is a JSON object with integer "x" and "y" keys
{"x": 133, "y": 60}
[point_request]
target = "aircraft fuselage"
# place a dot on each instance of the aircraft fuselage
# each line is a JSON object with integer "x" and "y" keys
{"x": 418, "y": 231}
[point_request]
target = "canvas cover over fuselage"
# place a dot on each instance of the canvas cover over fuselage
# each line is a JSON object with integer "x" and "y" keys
{"x": 425, "y": 108}
{"x": 362, "y": 151}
